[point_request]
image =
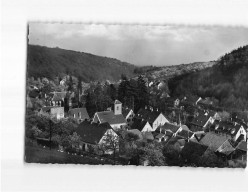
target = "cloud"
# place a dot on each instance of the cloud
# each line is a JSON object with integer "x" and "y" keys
{"x": 142, "y": 44}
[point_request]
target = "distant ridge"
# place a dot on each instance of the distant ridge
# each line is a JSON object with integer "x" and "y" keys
{"x": 53, "y": 62}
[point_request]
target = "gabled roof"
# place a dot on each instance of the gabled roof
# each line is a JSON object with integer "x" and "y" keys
{"x": 148, "y": 115}
{"x": 84, "y": 113}
{"x": 92, "y": 133}
{"x": 226, "y": 148}
{"x": 125, "y": 111}
{"x": 138, "y": 123}
{"x": 110, "y": 117}
{"x": 242, "y": 146}
{"x": 185, "y": 134}
{"x": 200, "y": 120}
{"x": 58, "y": 96}
{"x": 170, "y": 127}
{"x": 213, "y": 140}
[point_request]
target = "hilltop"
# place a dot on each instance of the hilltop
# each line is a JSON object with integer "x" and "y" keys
{"x": 56, "y": 62}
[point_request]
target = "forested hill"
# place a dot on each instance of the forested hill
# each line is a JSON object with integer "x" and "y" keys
{"x": 227, "y": 81}
{"x": 53, "y": 62}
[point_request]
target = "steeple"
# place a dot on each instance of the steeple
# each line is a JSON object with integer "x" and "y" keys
{"x": 117, "y": 107}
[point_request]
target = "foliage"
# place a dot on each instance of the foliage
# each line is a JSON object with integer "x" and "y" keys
{"x": 226, "y": 81}
{"x": 55, "y": 62}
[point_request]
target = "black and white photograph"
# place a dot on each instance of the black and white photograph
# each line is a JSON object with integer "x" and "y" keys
{"x": 145, "y": 95}
{"x": 124, "y": 96}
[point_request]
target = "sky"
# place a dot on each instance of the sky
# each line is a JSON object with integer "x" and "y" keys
{"x": 142, "y": 44}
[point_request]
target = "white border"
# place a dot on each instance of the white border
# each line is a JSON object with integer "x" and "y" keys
{"x": 17, "y": 176}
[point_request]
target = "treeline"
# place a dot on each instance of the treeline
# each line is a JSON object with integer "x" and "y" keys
{"x": 226, "y": 81}
{"x": 132, "y": 93}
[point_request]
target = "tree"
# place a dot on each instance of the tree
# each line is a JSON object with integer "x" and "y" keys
{"x": 143, "y": 96}
{"x": 75, "y": 139}
{"x": 210, "y": 159}
{"x": 152, "y": 154}
{"x": 110, "y": 143}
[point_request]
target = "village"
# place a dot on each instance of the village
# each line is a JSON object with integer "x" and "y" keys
{"x": 132, "y": 121}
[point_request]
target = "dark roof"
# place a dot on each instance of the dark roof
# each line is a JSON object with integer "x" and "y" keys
{"x": 125, "y": 111}
{"x": 242, "y": 146}
{"x": 196, "y": 129}
{"x": 147, "y": 115}
{"x": 213, "y": 140}
{"x": 58, "y": 96}
{"x": 201, "y": 119}
{"x": 170, "y": 127}
{"x": 138, "y": 123}
{"x": 84, "y": 113}
{"x": 226, "y": 148}
{"x": 92, "y": 132}
{"x": 110, "y": 117}
{"x": 160, "y": 135}
{"x": 117, "y": 102}
{"x": 185, "y": 134}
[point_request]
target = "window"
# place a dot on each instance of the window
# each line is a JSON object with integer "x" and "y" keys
{"x": 117, "y": 107}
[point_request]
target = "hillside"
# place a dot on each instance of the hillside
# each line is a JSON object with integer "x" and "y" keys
{"x": 227, "y": 81}
{"x": 166, "y": 72}
{"x": 53, "y": 62}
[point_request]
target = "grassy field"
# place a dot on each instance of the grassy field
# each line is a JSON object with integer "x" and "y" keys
{"x": 34, "y": 154}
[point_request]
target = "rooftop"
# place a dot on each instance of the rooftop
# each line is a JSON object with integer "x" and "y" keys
{"x": 92, "y": 132}
{"x": 110, "y": 117}
{"x": 213, "y": 140}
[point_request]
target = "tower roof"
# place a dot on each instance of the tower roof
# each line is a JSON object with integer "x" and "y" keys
{"x": 117, "y": 102}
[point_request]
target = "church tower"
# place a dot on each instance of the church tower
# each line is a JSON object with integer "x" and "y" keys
{"x": 117, "y": 107}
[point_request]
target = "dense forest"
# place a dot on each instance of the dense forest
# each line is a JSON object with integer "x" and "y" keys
{"x": 56, "y": 62}
{"x": 227, "y": 81}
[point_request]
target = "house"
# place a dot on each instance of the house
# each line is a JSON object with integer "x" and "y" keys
{"x": 241, "y": 151}
{"x": 217, "y": 143}
{"x": 191, "y": 100}
{"x": 80, "y": 114}
{"x": 168, "y": 127}
{"x": 114, "y": 118}
{"x": 201, "y": 121}
{"x": 94, "y": 137}
{"x": 234, "y": 130}
{"x": 141, "y": 124}
{"x": 128, "y": 115}
{"x": 58, "y": 99}
{"x": 155, "y": 118}
{"x": 184, "y": 134}
{"x": 53, "y": 112}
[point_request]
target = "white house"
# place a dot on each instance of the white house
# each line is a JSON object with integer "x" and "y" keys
{"x": 154, "y": 117}
{"x": 114, "y": 118}
{"x": 53, "y": 112}
{"x": 128, "y": 115}
{"x": 141, "y": 125}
